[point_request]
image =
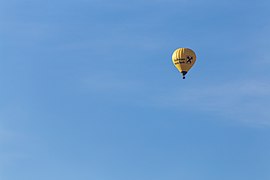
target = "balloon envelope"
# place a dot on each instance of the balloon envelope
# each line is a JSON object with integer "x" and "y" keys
{"x": 183, "y": 59}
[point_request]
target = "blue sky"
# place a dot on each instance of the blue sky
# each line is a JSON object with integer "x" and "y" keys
{"x": 88, "y": 90}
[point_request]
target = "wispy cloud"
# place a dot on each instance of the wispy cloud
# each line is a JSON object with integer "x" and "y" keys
{"x": 247, "y": 101}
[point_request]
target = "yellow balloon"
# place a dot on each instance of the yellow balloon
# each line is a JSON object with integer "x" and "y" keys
{"x": 183, "y": 59}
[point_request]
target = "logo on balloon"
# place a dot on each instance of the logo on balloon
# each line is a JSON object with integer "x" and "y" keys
{"x": 189, "y": 58}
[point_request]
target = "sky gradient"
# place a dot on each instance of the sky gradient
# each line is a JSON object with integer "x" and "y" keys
{"x": 88, "y": 90}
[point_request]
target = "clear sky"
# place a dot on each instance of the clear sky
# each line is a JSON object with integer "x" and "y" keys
{"x": 88, "y": 90}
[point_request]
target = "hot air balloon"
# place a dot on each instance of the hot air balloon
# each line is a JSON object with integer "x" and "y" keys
{"x": 183, "y": 59}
